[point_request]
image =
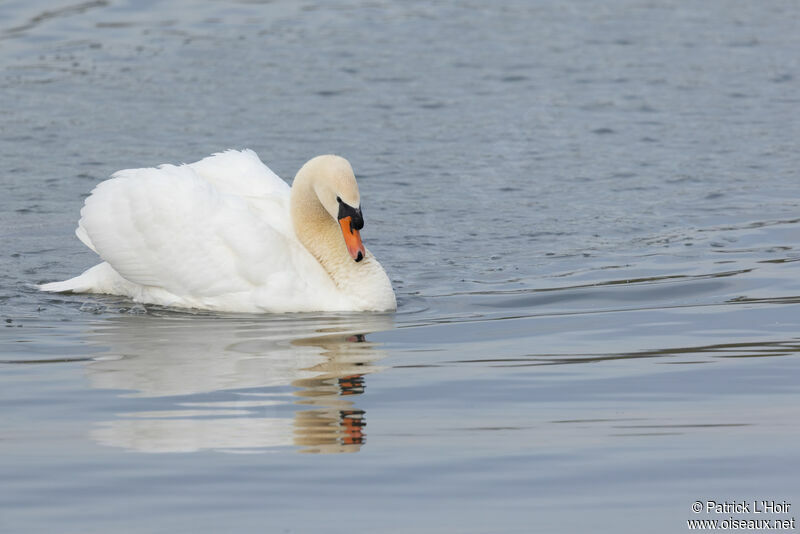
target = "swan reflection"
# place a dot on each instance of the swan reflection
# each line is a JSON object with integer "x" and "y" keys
{"x": 237, "y": 385}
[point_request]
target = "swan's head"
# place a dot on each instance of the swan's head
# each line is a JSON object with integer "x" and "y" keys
{"x": 337, "y": 190}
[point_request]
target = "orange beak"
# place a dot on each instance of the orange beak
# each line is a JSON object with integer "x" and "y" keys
{"x": 352, "y": 239}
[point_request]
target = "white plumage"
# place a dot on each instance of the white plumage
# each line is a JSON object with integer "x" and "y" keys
{"x": 222, "y": 234}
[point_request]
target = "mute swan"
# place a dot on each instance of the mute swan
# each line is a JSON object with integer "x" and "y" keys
{"x": 225, "y": 233}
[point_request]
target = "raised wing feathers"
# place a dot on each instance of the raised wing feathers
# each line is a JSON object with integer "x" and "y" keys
{"x": 186, "y": 230}
{"x": 240, "y": 173}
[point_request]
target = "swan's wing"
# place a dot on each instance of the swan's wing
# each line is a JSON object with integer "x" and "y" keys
{"x": 243, "y": 174}
{"x": 240, "y": 173}
{"x": 171, "y": 228}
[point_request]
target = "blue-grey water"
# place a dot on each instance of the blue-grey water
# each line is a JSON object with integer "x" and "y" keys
{"x": 589, "y": 211}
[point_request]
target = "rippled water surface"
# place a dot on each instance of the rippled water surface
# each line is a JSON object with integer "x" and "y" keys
{"x": 589, "y": 211}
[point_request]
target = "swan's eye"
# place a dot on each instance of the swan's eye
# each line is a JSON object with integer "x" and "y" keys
{"x": 339, "y": 200}
{"x": 356, "y": 219}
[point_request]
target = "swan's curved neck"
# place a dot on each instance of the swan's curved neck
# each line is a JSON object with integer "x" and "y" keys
{"x": 316, "y": 229}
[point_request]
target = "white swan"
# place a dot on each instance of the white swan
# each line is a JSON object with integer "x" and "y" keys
{"x": 225, "y": 233}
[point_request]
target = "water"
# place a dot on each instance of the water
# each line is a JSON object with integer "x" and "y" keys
{"x": 589, "y": 212}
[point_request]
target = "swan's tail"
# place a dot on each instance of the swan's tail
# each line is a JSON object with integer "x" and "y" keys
{"x": 98, "y": 279}
{"x": 59, "y": 287}
{"x": 79, "y": 284}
